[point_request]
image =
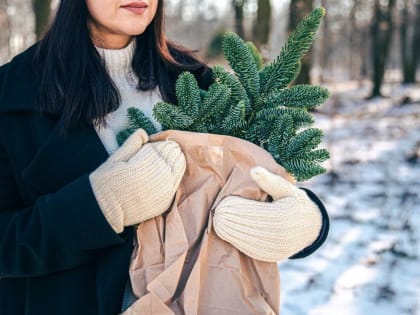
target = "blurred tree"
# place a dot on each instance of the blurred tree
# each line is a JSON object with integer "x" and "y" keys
{"x": 416, "y": 40}
{"x": 404, "y": 28}
{"x": 42, "y": 15}
{"x": 298, "y": 9}
{"x": 5, "y": 32}
{"x": 238, "y": 6}
{"x": 262, "y": 26}
{"x": 363, "y": 49}
{"x": 324, "y": 49}
{"x": 355, "y": 42}
{"x": 381, "y": 34}
{"x": 410, "y": 24}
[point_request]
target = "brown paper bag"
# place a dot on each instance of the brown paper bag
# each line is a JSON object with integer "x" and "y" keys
{"x": 180, "y": 266}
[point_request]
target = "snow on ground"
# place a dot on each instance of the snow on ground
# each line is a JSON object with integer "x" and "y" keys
{"x": 370, "y": 263}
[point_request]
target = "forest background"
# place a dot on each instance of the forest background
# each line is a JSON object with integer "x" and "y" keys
{"x": 367, "y": 53}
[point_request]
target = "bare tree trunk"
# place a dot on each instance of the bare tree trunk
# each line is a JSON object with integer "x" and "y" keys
{"x": 405, "y": 59}
{"x": 354, "y": 38}
{"x": 365, "y": 53}
{"x": 381, "y": 33}
{"x": 262, "y": 25}
{"x": 4, "y": 33}
{"x": 409, "y": 44}
{"x": 416, "y": 41}
{"x": 324, "y": 48}
{"x": 238, "y": 6}
{"x": 298, "y": 9}
{"x": 42, "y": 16}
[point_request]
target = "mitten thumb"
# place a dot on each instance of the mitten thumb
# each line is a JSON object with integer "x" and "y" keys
{"x": 130, "y": 146}
{"x": 272, "y": 184}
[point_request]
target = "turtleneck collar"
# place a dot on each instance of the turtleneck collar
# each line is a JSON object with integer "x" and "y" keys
{"x": 118, "y": 61}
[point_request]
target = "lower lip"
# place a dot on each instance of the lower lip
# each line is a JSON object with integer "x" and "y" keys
{"x": 136, "y": 10}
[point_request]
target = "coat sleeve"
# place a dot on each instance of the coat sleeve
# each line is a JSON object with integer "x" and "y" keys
{"x": 59, "y": 231}
{"x": 323, "y": 233}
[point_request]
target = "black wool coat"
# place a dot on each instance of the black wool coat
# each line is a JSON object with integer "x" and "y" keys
{"x": 58, "y": 254}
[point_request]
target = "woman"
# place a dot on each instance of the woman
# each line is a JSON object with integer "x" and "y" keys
{"x": 68, "y": 197}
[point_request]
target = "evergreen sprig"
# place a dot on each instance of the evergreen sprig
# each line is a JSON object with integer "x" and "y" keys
{"x": 136, "y": 118}
{"x": 254, "y": 102}
{"x": 241, "y": 59}
{"x": 286, "y": 66}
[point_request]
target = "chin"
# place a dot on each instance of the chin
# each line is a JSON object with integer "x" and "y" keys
{"x": 138, "y": 32}
{"x": 134, "y": 31}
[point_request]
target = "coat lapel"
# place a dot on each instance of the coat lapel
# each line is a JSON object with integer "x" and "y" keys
{"x": 59, "y": 159}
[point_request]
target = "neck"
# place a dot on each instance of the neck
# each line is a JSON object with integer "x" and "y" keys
{"x": 103, "y": 39}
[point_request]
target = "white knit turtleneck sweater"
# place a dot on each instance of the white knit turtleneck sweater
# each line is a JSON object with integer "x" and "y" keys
{"x": 118, "y": 64}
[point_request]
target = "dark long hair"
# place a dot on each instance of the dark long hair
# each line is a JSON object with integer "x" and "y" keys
{"x": 73, "y": 79}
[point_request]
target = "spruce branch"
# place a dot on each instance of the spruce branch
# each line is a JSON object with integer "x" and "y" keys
{"x": 238, "y": 92}
{"x": 188, "y": 93}
{"x": 171, "y": 116}
{"x": 123, "y": 135}
{"x": 318, "y": 156}
{"x": 240, "y": 58}
{"x": 258, "y": 58}
{"x": 303, "y": 170}
{"x": 137, "y": 119}
{"x": 254, "y": 102}
{"x": 215, "y": 103}
{"x": 303, "y": 142}
{"x": 235, "y": 120}
{"x": 286, "y": 67}
{"x": 305, "y": 95}
{"x": 280, "y": 136}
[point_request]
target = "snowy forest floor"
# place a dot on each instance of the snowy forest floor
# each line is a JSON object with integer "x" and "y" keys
{"x": 370, "y": 263}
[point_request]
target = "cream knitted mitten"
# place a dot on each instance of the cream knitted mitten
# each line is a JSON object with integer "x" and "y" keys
{"x": 138, "y": 181}
{"x": 269, "y": 231}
